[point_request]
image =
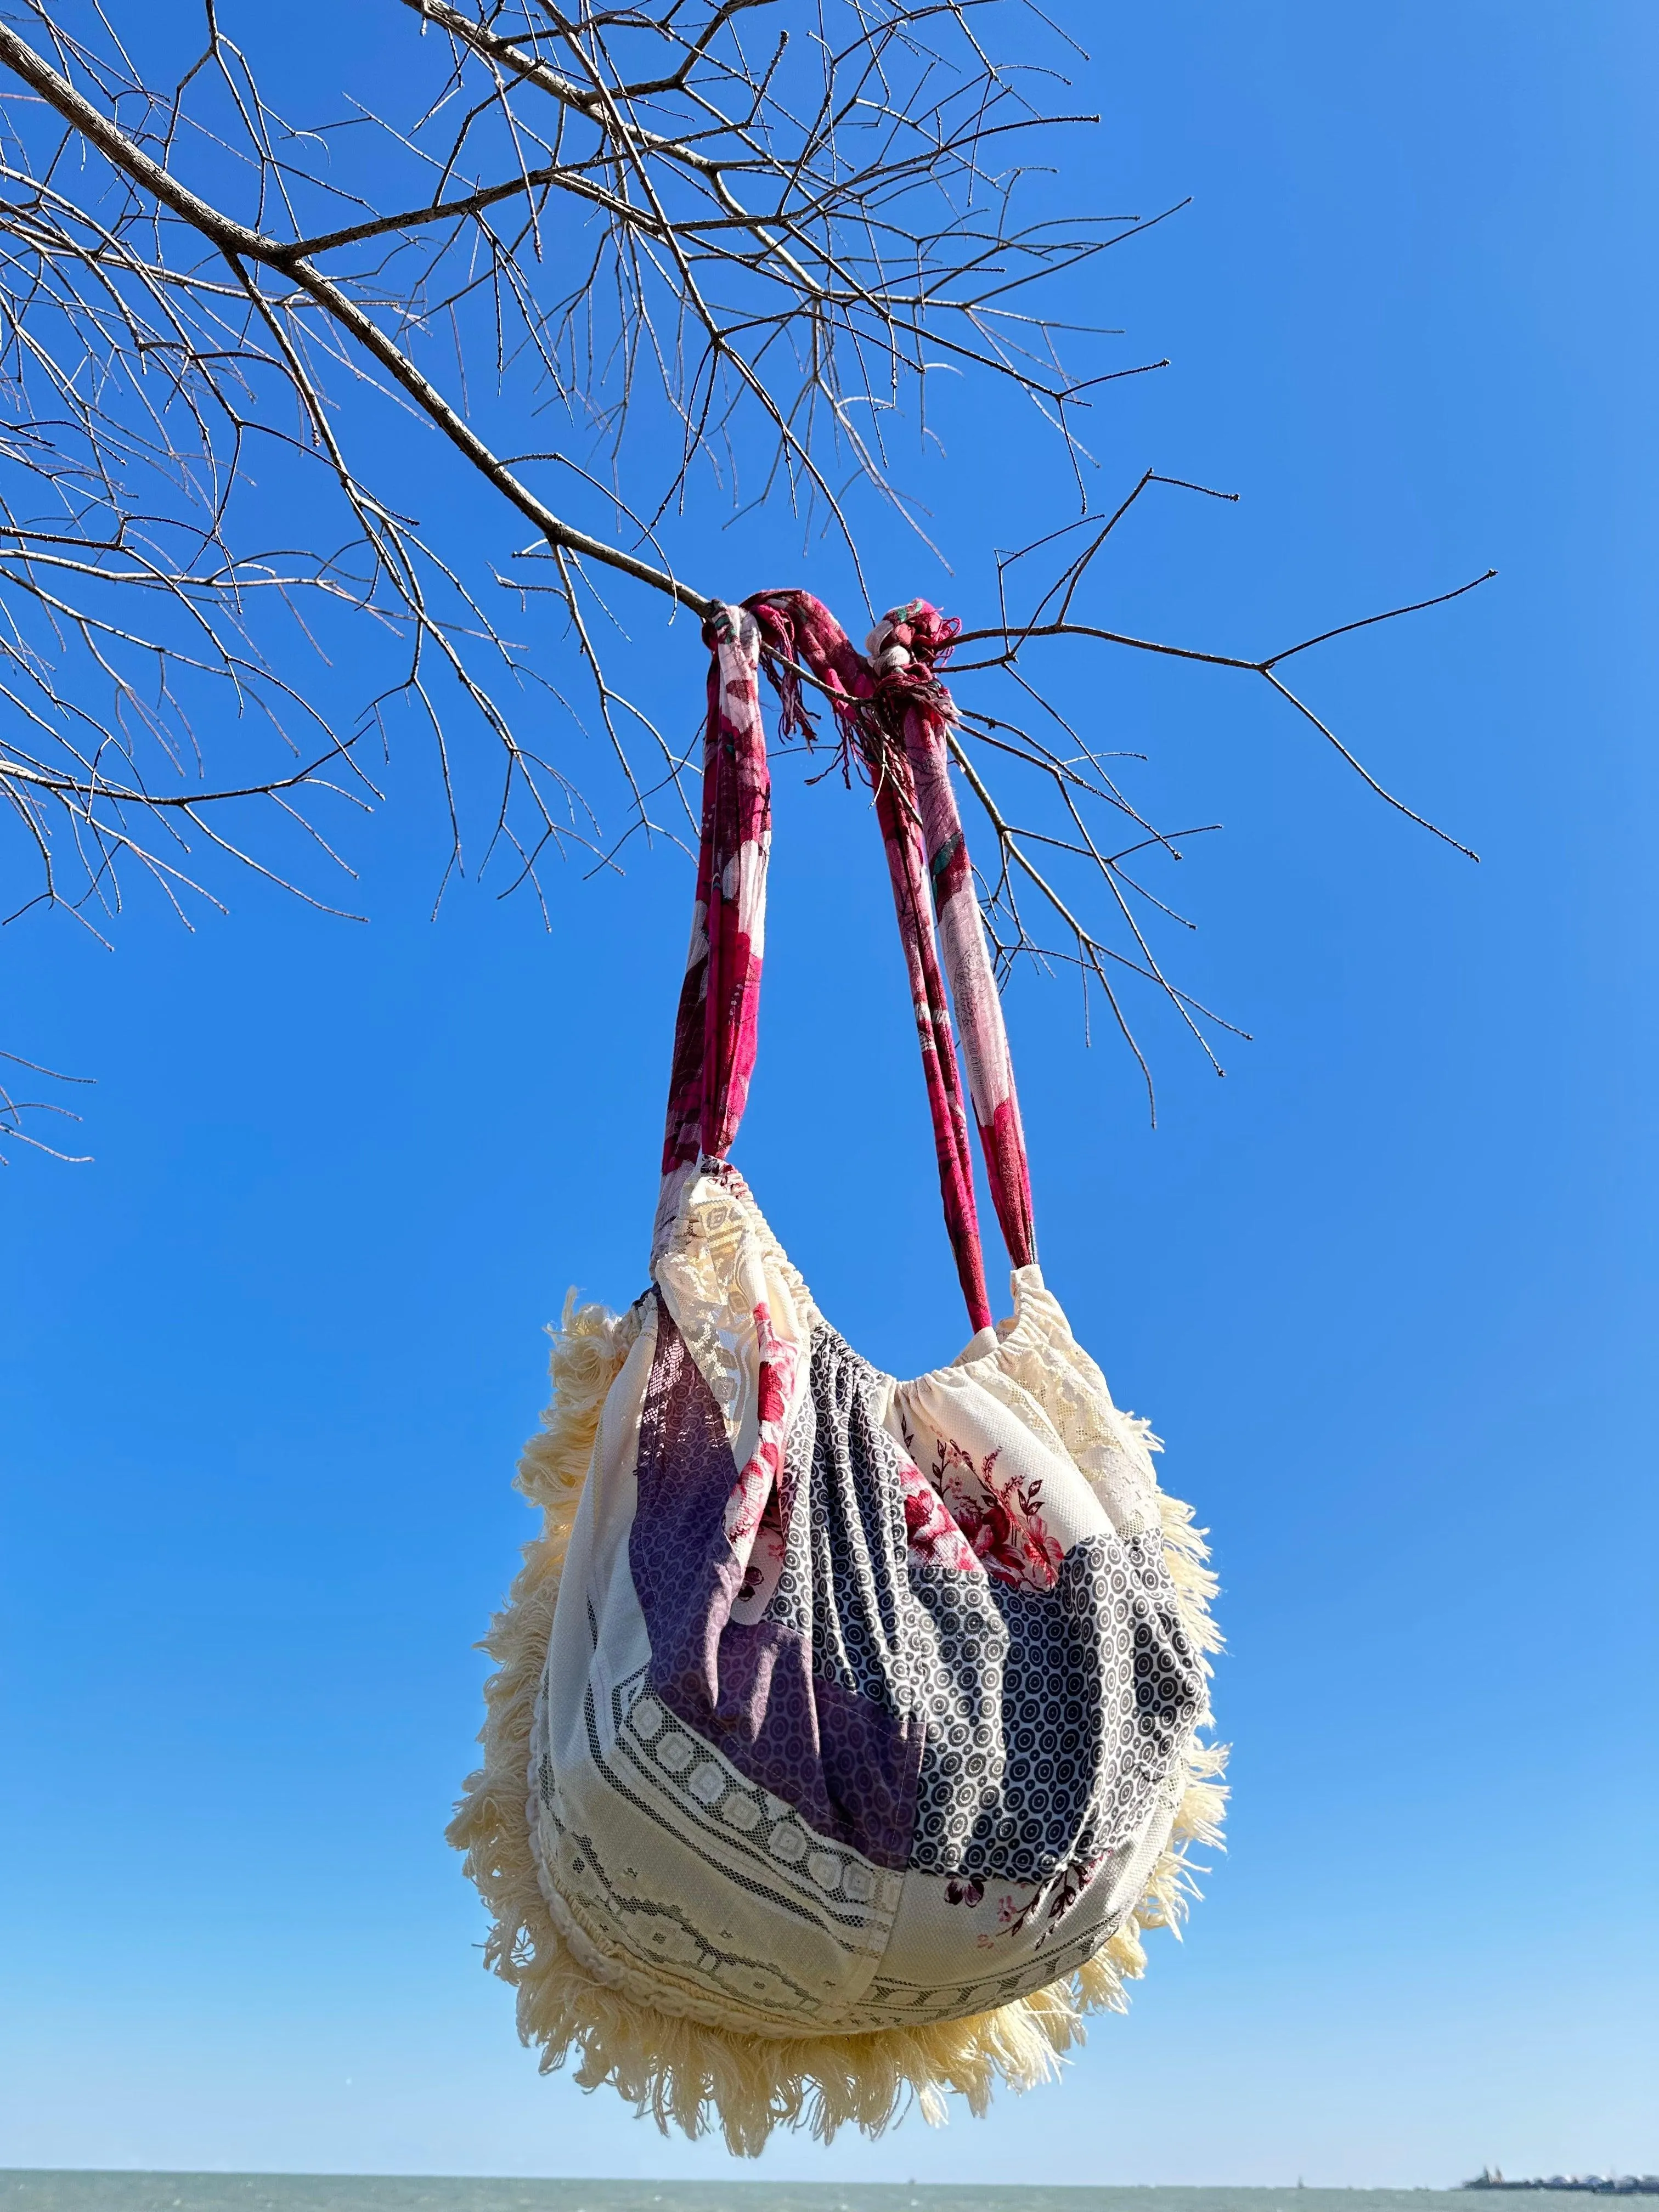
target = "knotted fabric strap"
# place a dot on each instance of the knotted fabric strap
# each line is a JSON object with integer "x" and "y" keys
{"x": 716, "y": 1029}
{"x": 895, "y": 714}
{"x": 802, "y": 634}
{"x": 921, "y": 632}
{"x": 902, "y": 722}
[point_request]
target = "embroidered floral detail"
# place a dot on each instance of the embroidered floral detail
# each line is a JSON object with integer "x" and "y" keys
{"x": 1001, "y": 1518}
{"x": 1051, "y": 1899}
{"x": 963, "y": 1889}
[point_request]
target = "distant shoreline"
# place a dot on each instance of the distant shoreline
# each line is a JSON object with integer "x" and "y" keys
{"x": 93, "y": 2189}
{"x": 1588, "y": 2184}
{"x": 134, "y": 2190}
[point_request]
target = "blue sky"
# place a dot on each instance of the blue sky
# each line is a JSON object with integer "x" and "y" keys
{"x": 266, "y": 1363}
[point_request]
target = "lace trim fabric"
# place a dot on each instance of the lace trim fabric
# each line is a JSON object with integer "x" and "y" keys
{"x": 717, "y": 1261}
{"x": 718, "y": 1249}
{"x": 1038, "y": 1356}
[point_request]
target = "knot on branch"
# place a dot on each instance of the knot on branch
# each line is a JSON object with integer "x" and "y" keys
{"x": 915, "y": 635}
{"x": 904, "y": 649}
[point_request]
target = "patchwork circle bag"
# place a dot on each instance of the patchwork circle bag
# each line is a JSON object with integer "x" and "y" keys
{"x": 846, "y": 1734}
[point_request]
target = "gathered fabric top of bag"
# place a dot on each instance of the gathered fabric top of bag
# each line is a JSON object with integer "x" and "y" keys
{"x": 845, "y": 1737}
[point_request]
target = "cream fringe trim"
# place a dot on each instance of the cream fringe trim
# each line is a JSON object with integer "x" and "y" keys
{"x": 679, "y": 2070}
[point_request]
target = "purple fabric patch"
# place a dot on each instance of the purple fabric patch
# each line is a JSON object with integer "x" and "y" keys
{"x": 846, "y": 1766}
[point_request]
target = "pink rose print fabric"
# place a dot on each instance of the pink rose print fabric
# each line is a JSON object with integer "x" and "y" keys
{"x": 1000, "y": 1518}
{"x": 801, "y": 635}
{"x": 716, "y": 1030}
{"x": 895, "y": 715}
{"x": 754, "y": 1490}
{"x": 928, "y": 713}
{"x": 932, "y": 1537}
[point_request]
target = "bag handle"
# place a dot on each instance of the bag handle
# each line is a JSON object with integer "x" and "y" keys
{"x": 716, "y": 1030}
{"x": 903, "y": 647}
{"x": 895, "y": 705}
{"x": 898, "y": 716}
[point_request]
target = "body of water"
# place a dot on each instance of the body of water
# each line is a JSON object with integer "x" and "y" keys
{"x": 62, "y": 2191}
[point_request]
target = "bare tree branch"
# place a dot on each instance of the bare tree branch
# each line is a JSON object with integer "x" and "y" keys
{"x": 729, "y": 243}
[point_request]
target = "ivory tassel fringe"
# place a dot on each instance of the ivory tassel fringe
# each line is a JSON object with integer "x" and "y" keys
{"x": 678, "y": 2070}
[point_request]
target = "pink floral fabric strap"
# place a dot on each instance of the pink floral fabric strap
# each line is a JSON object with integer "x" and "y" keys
{"x": 896, "y": 716}
{"x": 800, "y": 634}
{"x": 919, "y": 632}
{"x": 899, "y": 714}
{"x": 716, "y": 1029}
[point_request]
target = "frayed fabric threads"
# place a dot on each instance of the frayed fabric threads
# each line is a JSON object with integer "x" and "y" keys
{"x": 683, "y": 2073}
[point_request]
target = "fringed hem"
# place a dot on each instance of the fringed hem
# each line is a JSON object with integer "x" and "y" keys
{"x": 680, "y": 2071}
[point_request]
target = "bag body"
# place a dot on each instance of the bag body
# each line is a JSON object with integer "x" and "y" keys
{"x": 846, "y": 1736}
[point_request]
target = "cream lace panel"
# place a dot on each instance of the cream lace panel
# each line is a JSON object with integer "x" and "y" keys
{"x": 719, "y": 1261}
{"x": 1040, "y": 1370}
